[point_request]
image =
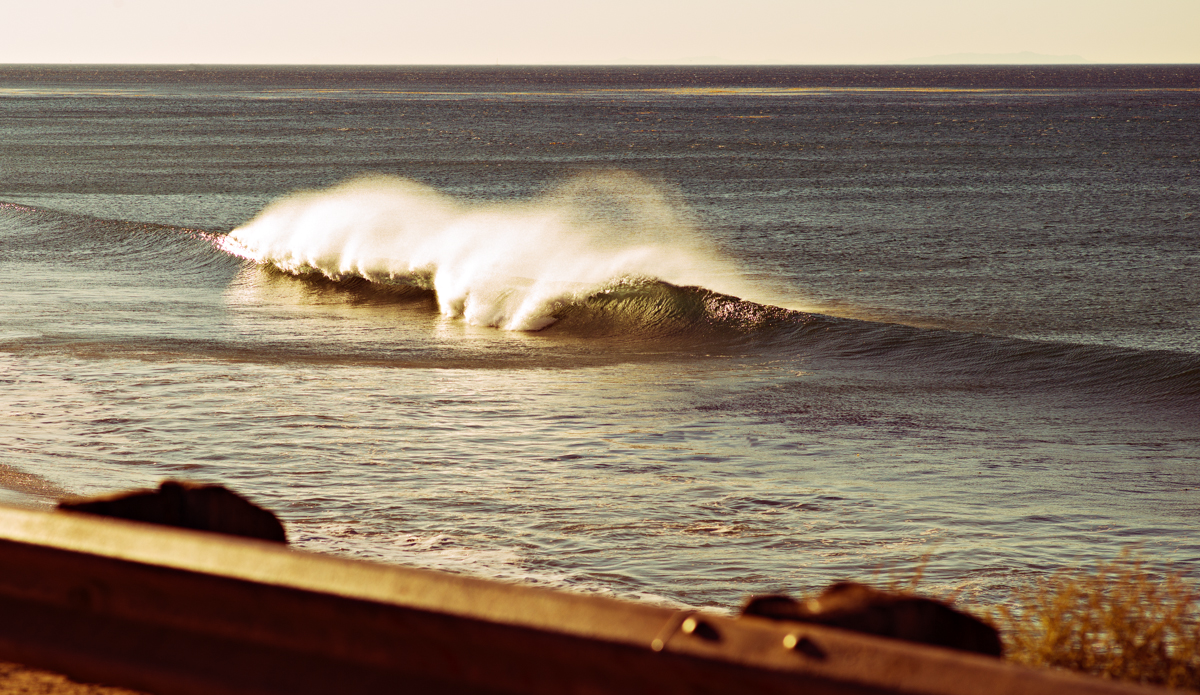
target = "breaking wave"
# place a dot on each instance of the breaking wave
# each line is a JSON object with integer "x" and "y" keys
{"x": 517, "y": 266}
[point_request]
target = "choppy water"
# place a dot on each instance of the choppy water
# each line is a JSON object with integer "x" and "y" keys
{"x": 676, "y": 334}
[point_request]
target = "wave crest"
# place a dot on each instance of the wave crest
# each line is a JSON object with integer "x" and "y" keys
{"x": 510, "y": 265}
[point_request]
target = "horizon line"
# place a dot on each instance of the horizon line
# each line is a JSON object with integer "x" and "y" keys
{"x": 591, "y": 65}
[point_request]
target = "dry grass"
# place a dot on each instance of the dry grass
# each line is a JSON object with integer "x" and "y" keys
{"x": 1119, "y": 621}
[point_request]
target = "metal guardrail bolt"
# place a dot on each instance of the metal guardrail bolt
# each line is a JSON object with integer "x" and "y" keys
{"x": 804, "y": 645}
{"x": 701, "y": 629}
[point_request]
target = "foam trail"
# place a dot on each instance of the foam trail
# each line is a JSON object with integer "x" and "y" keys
{"x": 509, "y": 265}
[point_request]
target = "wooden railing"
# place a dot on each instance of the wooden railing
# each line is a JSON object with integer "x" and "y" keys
{"x": 173, "y": 611}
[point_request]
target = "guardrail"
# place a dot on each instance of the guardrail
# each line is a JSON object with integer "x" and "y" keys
{"x": 173, "y": 611}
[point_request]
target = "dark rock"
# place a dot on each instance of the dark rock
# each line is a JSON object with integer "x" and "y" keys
{"x": 186, "y": 505}
{"x": 853, "y": 606}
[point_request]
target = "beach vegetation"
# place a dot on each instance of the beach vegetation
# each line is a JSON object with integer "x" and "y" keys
{"x": 1121, "y": 620}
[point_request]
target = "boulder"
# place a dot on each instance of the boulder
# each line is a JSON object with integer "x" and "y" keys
{"x": 186, "y": 505}
{"x": 857, "y": 607}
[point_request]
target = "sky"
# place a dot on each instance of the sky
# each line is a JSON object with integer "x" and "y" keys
{"x": 524, "y": 32}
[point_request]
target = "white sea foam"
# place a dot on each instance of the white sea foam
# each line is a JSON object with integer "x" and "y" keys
{"x": 500, "y": 264}
{"x": 448, "y": 554}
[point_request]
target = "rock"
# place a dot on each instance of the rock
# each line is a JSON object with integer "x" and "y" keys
{"x": 186, "y": 505}
{"x": 857, "y": 607}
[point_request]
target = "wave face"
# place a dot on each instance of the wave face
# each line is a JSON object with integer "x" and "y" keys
{"x": 516, "y": 266}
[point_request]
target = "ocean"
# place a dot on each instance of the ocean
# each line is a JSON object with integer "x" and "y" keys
{"x": 680, "y": 335}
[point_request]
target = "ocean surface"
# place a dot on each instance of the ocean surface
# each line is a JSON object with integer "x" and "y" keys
{"x": 672, "y": 334}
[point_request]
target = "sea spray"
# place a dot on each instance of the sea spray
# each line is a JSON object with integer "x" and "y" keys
{"x": 504, "y": 264}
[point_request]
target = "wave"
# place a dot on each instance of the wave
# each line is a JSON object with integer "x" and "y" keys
{"x": 627, "y": 245}
{"x": 643, "y": 319}
{"x": 515, "y": 266}
{"x": 651, "y": 308}
{"x": 73, "y": 240}
{"x": 612, "y": 256}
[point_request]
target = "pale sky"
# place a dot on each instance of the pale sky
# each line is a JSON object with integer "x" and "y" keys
{"x": 591, "y": 32}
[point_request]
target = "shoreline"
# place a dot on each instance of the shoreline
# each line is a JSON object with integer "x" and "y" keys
{"x": 27, "y": 490}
